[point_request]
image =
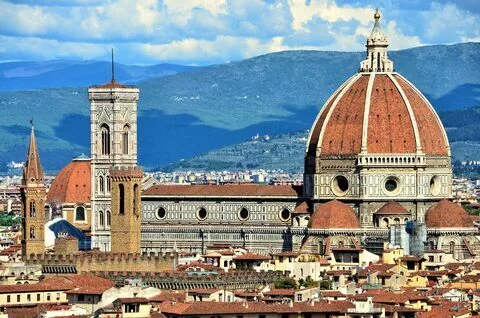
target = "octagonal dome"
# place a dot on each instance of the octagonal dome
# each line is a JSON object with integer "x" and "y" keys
{"x": 73, "y": 183}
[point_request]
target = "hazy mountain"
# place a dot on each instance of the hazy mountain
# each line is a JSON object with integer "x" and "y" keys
{"x": 16, "y": 76}
{"x": 186, "y": 114}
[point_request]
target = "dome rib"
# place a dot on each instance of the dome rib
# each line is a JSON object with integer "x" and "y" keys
{"x": 368, "y": 97}
{"x": 432, "y": 141}
{"x": 339, "y": 98}
{"x": 312, "y": 142}
{"x": 410, "y": 112}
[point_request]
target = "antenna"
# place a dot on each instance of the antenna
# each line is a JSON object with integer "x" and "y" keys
{"x": 113, "y": 68}
{"x": 31, "y": 122}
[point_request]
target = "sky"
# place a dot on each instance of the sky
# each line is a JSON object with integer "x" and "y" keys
{"x": 201, "y": 32}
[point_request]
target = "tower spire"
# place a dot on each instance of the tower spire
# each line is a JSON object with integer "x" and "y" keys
{"x": 113, "y": 68}
{"x": 32, "y": 172}
{"x": 377, "y": 44}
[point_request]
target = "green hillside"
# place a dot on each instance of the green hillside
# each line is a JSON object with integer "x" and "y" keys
{"x": 186, "y": 114}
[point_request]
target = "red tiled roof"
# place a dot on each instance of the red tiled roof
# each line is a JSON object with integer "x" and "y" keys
{"x": 390, "y": 123}
{"x": 334, "y": 215}
{"x": 72, "y": 184}
{"x": 302, "y": 208}
{"x": 113, "y": 84}
{"x": 446, "y": 214}
{"x": 203, "y": 291}
{"x": 225, "y": 308}
{"x": 227, "y": 190}
{"x": 280, "y": 292}
{"x": 251, "y": 257}
{"x": 392, "y": 208}
{"x": 132, "y": 300}
{"x": 288, "y": 254}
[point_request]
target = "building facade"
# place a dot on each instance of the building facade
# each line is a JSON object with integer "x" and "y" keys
{"x": 113, "y": 137}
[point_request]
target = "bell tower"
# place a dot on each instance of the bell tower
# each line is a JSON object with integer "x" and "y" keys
{"x": 126, "y": 209}
{"x": 113, "y": 142}
{"x": 33, "y": 200}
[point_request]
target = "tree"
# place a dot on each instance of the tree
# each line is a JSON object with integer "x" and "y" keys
{"x": 288, "y": 283}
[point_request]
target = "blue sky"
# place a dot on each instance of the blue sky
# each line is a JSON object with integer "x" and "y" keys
{"x": 215, "y": 31}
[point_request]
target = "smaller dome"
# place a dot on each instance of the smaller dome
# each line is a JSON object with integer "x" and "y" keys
{"x": 447, "y": 214}
{"x": 392, "y": 208}
{"x": 73, "y": 183}
{"x": 334, "y": 215}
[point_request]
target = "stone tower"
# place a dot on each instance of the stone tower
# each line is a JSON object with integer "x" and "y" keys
{"x": 113, "y": 132}
{"x": 33, "y": 201}
{"x": 126, "y": 209}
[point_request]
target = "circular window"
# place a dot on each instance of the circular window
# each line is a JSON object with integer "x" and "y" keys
{"x": 435, "y": 185}
{"x": 243, "y": 214}
{"x": 161, "y": 213}
{"x": 340, "y": 185}
{"x": 285, "y": 214}
{"x": 202, "y": 214}
{"x": 391, "y": 185}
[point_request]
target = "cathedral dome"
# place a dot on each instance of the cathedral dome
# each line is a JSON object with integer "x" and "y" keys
{"x": 334, "y": 215}
{"x": 447, "y": 214}
{"x": 377, "y": 111}
{"x": 73, "y": 183}
{"x": 392, "y": 208}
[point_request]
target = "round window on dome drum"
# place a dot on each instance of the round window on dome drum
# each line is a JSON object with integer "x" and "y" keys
{"x": 243, "y": 214}
{"x": 285, "y": 214}
{"x": 202, "y": 214}
{"x": 391, "y": 185}
{"x": 340, "y": 185}
{"x": 161, "y": 213}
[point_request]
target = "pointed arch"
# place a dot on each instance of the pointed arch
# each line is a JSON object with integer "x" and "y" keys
{"x": 101, "y": 220}
{"x": 109, "y": 218}
{"x": 32, "y": 232}
{"x": 105, "y": 139}
{"x": 33, "y": 209}
{"x": 125, "y": 139}
{"x": 121, "y": 199}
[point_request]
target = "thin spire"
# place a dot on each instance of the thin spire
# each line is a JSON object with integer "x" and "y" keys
{"x": 113, "y": 68}
{"x": 32, "y": 172}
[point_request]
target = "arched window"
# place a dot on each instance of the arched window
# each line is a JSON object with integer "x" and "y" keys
{"x": 320, "y": 247}
{"x": 125, "y": 133}
{"x": 32, "y": 232}
{"x": 109, "y": 185}
{"x": 101, "y": 221}
{"x": 396, "y": 221}
{"x": 33, "y": 212}
{"x": 109, "y": 219}
{"x": 452, "y": 247}
{"x": 105, "y": 131}
{"x": 341, "y": 244}
{"x": 121, "y": 198}
{"x": 101, "y": 185}
{"x": 80, "y": 214}
{"x": 385, "y": 222}
{"x": 135, "y": 196}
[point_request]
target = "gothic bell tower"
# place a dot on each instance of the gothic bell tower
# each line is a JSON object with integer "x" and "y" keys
{"x": 126, "y": 209}
{"x": 33, "y": 200}
{"x": 113, "y": 141}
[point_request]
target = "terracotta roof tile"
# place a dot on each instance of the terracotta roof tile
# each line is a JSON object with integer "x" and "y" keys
{"x": 447, "y": 214}
{"x": 72, "y": 184}
{"x": 227, "y": 190}
{"x": 334, "y": 215}
{"x": 392, "y": 208}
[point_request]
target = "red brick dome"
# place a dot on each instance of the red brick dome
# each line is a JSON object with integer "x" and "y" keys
{"x": 447, "y": 214}
{"x": 377, "y": 113}
{"x": 72, "y": 184}
{"x": 334, "y": 215}
{"x": 392, "y": 208}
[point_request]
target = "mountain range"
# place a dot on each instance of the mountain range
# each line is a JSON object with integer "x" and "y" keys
{"x": 199, "y": 109}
